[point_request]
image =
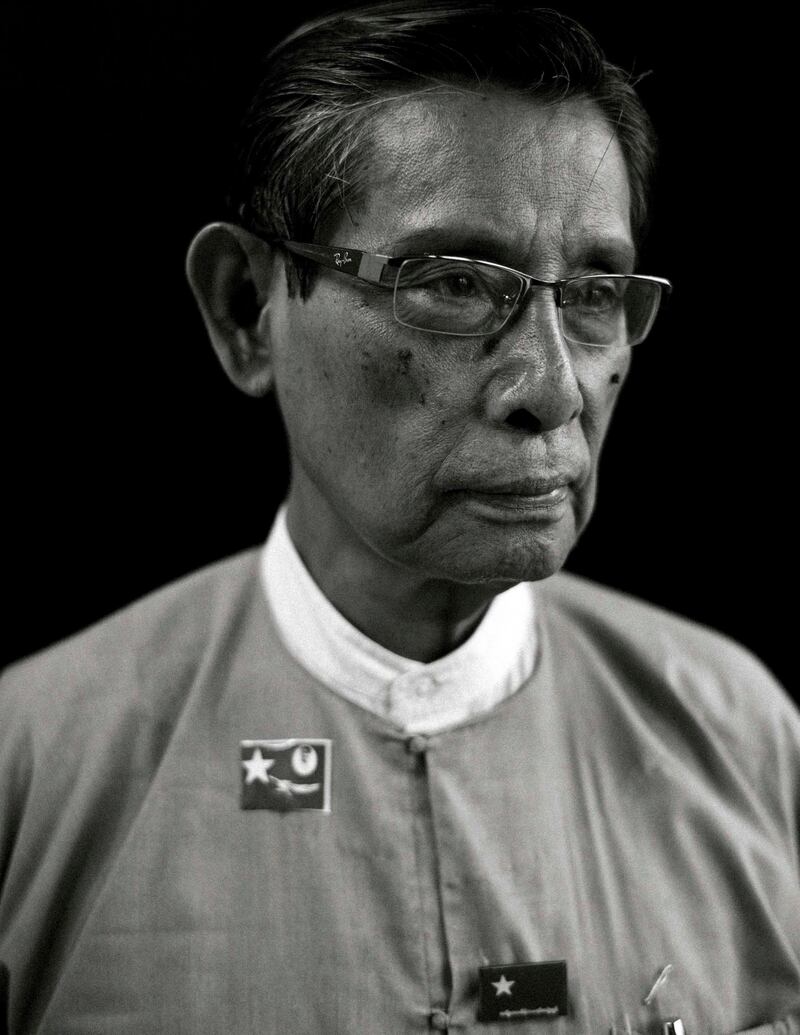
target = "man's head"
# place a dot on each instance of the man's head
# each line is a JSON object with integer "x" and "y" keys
{"x": 489, "y": 131}
{"x": 306, "y": 141}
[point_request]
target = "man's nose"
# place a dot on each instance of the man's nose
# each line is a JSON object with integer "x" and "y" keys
{"x": 534, "y": 386}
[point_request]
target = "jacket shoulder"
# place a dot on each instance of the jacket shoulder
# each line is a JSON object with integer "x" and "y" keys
{"x": 148, "y": 644}
{"x": 717, "y": 676}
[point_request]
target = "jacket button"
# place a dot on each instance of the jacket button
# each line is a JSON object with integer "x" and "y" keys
{"x": 417, "y": 745}
{"x": 439, "y": 1020}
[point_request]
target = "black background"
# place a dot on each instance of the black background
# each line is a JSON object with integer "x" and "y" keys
{"x": 131, "y": 460}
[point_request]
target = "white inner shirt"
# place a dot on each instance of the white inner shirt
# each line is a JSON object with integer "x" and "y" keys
{"x": 417, "y": 697}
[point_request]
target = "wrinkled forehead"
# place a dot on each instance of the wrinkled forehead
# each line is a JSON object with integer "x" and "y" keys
{"x": 494, "y": 162}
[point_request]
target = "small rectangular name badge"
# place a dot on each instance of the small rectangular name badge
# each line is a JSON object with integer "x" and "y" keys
{"x": 284, "y": 775}
{"x": 523, "y": 991}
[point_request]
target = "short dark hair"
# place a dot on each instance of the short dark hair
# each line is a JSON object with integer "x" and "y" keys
{"x": 304, "y": 141}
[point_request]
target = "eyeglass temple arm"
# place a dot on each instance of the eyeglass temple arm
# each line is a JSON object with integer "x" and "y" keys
{"x": 377, "y": 269}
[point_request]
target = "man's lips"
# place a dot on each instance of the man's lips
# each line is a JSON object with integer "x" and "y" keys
{"x": 527, "y": 502}
{"x": 546, "y": 497}
{"x": 531, "y": 488}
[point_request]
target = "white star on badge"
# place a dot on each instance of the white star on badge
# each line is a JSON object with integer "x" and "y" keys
{"x": 257, "y": 767}
{"x": 503, "y": 986}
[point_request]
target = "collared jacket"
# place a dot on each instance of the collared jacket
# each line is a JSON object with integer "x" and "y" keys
{"x": 632, "y": 807}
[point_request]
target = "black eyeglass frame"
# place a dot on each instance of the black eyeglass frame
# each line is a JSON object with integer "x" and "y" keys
{"x": 384, "y": 271}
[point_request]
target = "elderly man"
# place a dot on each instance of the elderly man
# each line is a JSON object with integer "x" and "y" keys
{"x": 393, "y": 772}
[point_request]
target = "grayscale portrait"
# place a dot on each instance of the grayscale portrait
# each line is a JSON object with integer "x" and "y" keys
{"x": 350, "y": 692}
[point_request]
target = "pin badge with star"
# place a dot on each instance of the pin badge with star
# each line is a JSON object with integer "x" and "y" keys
{"x": 523, "y": 991}
{"x": 286, "y": 775}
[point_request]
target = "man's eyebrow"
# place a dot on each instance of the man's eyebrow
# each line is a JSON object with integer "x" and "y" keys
{"x": 460, "y": 240}
{"x": 594, "y": 249}
{"x": 610, "y": 251}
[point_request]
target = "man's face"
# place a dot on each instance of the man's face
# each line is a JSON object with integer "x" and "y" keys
{"x": 464, "y": 459}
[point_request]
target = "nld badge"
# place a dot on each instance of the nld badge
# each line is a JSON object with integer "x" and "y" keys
{"x": 282, "y": 775}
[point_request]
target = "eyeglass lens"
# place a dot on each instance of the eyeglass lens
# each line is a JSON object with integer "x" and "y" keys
{"x": 453, "y": 296}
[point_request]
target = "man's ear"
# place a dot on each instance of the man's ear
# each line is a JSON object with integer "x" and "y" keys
{"x": 230, "y": 272}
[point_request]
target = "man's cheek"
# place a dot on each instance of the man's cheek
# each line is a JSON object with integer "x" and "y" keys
{"x": 601, "y": 376}
{"x": 619, "y": 367}
{"x": 415, "y": 450}
{"x": 392, "y": 378}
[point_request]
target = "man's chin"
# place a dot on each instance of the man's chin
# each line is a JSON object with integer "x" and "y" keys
{"x": 506, "y": 558}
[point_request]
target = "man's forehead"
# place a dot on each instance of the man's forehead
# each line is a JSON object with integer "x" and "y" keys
{"x": 493, "y": 164}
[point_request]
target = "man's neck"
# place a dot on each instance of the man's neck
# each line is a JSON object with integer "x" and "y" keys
{"x": 408, "y": 613}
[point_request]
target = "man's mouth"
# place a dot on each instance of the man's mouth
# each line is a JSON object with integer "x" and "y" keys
{"x": 546, "y": 499}
{"x": 529, "y": 488}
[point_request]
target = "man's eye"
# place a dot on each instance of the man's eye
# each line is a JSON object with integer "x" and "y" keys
{"x": 597, "y": 296}
{"x": 458, "y": 284}
{"x": 455, "y": 284}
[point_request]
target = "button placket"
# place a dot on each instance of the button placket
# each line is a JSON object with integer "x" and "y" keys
{"x": 440, "y": 1020}
{"x": 433, "y": 942}
{"x": 424, "y": 686}
{"x": 417, "y": 745}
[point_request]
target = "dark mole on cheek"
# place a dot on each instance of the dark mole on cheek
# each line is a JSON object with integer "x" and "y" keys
{"x": 615, "y": 379}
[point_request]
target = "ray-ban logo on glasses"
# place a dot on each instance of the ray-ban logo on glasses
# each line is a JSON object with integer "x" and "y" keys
{"x": 341, "y": 258}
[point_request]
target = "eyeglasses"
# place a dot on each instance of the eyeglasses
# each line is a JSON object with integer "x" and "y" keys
{"x": 447, "y": 294}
